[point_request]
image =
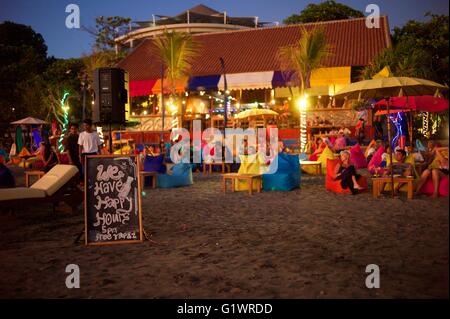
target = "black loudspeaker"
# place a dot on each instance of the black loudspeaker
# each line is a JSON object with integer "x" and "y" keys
{"x": 111, "y": 95}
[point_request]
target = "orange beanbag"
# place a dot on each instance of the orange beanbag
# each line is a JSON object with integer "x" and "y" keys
{"x": 335, "y": 186}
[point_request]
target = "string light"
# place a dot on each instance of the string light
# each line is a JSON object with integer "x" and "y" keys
{"x": 65, "y": 119}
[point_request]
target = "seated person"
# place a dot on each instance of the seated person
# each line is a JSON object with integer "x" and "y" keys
{"x": 150, "y": 150}
{"x": 410, "y": 150}
{"x": 318, "y": 148}
{"x": 346, "y": 173}
{"x": 385, "y": 155}
{"x": 437, "y": 170}
{"x": 6, "y": 177}
{"x": 372, "y": 148}
{"x": 399, "y": 167}
{"x": 340, "y": 143}
{"x": 49, "y": 156}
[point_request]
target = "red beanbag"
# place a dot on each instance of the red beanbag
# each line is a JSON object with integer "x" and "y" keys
{"x": 375, "y": 161}
{"x": 357, "y": 157}
{"x": 335, "y": 186}
{"x": 428, "y": 187}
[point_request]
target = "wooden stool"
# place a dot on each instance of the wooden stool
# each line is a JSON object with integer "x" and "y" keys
{"x": 28, "y": 174}
{"x": 154, "y": 176}
{"x": 225, "y": 167}
{"x": 248, "y": 177}
{"x": 378, "y": 184}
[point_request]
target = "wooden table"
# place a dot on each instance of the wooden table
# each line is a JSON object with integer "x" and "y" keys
{"x": 248, "y": 177}
{"x": 379, "y": 182}
{"x": 154, "y": 176}
{"x": 317, "y": 164}
{"x": 28, "y": 174}
{"x": 225, "y": 166}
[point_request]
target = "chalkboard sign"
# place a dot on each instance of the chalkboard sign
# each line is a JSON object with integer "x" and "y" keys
{"x": 112, "y": 200}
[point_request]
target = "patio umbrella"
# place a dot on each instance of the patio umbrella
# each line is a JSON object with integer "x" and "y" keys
{"x": 255, "y": 112}
{"x": 426, "y": 103}
{"x": 29, "y": 121}
{"x": 386, "y": 87}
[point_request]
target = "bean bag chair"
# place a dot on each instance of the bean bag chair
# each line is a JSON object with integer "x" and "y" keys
{"x": 287, "y": 176}
{"x": 335, "y": 186}
{"x": 326, "y": 154}
{"x": 428, "y": 187}
{"x": 63, "y": 158}
{"x": 250, "y": 164}
{"x": 357, "y": 157}
{"x": 181, "y": 176}
{"x": 153, "y": 164}
{"x": 376, "y": 160}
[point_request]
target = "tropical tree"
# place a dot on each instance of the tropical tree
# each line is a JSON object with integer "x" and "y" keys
{"x": 304, "y": 57}
{"x": 176, "y": 51}
{"x": 324, "y": 11}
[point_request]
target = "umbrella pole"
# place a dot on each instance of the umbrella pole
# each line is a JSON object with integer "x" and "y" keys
{"x": 391, "y": 146}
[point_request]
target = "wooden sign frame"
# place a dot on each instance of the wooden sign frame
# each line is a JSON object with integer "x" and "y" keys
{"x": 139, "y": 199}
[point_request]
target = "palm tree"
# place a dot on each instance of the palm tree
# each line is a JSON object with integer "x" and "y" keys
{"x": 304, "y": 57}
{"x": 177, "y": 51}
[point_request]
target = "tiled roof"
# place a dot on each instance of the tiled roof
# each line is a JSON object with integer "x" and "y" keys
{"x": 255, "y": 50}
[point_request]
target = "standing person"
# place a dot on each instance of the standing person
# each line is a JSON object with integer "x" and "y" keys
{"x": 72, "y": 148}
{"x": 88, "y": 141}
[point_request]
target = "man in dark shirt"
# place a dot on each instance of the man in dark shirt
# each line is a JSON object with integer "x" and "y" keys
{"x": 72, "y": 147}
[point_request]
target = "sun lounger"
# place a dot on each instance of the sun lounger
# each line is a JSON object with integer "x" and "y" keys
{"x": 58, "y": 185}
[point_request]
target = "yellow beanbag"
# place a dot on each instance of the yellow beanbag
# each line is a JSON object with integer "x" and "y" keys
{"x": 326, "y": 154}
{"x": 250, "y": 164}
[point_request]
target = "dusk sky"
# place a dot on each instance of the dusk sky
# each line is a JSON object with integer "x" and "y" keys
{"x": 48, "y": 16}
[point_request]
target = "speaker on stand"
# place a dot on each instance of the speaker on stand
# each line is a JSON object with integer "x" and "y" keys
{"x": 111, "y": 98}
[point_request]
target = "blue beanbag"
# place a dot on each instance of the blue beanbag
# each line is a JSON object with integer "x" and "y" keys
{"x": 181, "y": 176}
{"x": 287, "y": 176}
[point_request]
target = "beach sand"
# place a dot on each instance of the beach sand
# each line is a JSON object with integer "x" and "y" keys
{"x": 307, "y": 243}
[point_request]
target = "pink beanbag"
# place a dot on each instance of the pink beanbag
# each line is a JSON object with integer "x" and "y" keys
{"x": 357, "y": 157}
{"x": 428, "y": 188}
{"x": 376, "y": 160}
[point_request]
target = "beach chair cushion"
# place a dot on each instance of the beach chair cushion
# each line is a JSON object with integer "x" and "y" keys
{"x": 428, "y": 187}
{"x": 357, "y": 157}
{"x": 20, "y": 193}
{"x": 287, "y": 176}
{"x": 335, "y": 186}
{"x": 59, "y": 175}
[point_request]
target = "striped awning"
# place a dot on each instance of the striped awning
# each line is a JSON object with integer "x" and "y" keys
{"x": 247, "y": 81}
{"x": 203, "y": 83}
{"x": 141, "y": 87}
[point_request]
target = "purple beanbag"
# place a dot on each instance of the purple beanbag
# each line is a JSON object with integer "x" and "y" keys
{"x": 357, "y": 157}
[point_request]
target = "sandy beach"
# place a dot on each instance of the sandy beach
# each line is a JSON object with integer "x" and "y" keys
{"x": 307, "y": 243}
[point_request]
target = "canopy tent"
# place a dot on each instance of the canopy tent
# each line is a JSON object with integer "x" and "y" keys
{"x": 251, "y": 80}
{"x": 426, "y": 103}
